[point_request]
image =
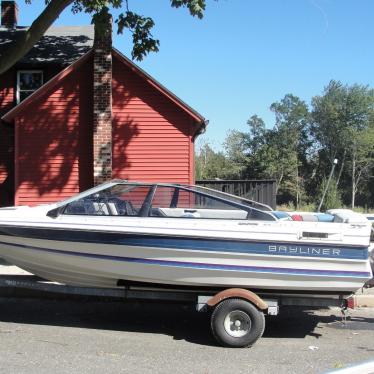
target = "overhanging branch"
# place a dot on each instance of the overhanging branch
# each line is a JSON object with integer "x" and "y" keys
{"x": 26, "y": 40}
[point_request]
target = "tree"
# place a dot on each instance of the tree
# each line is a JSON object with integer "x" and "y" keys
{"x": 291, "y": 126}
{"x": 360, "y": 135}
{"x": 255, "y": 141}
{"x": 362, "y": 158}
{"x": 235, "y": 147}
{"x": 267, "y": 155}
{"x": 342, "y": 124}
{"x": 139, "y": 26}
{"x": 329, "y": 119}
{"x": 329, "y": 122}
{"x": 280, "y": 152}
{"x": 210, "y": 164}
{"x": 257, "y": 131}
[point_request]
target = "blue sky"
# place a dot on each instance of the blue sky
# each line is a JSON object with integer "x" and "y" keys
{"x": 246, "y": 54}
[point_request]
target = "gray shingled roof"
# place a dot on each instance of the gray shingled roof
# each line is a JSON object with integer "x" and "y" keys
{"x": 60, "y": 44}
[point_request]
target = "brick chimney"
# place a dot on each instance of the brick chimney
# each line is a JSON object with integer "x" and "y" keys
{"x": 9, "y": 14}
{"x": 102, "y": 103}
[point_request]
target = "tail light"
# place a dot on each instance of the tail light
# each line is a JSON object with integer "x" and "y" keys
{"x": 351, "y": 302}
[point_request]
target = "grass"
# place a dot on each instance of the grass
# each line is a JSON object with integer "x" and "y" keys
{"x": 302, "y": 208}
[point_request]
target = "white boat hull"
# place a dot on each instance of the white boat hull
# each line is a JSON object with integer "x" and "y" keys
{"x": 196, "y": 248}
{"x": 103, "y": 265}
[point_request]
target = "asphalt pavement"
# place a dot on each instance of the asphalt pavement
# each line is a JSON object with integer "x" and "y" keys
{"x": 91, "y": 336}
{"x": 86, "y": 335}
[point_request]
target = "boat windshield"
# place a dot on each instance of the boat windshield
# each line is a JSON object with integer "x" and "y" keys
{"x": 161, "y": 200}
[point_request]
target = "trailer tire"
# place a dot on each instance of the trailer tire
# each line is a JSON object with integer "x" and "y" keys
{"x": 237, "y": 323}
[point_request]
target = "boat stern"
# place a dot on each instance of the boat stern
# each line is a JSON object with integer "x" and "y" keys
{"x": 370, "y": 282}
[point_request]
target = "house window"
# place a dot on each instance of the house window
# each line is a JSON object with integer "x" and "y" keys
{"x": 28, "y": 81}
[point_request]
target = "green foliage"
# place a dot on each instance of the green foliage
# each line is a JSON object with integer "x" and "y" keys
{"x": 338, "y": 115}
{"x": 139, "y": 25}
{"x": 299, "y": 149}
{"x": 329, "y": 120}
{"x": 235, "y": 153}
{"x": 196, "y": 7}
{"x": 342, "y": 123}
{"x": 211, "y": 165}
{"x": 289, "y": 207}
{"x": 280, "y": 152}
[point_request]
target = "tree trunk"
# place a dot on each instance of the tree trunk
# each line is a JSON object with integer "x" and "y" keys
{"x": 278, "y": 183}
{"x": 341, "y": 168}
{"x": 297, "y": 186}
{"x": 353, "y": 178}
{"x": 26, "y": 40}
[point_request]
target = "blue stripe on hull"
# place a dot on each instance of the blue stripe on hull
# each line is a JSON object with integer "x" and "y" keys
{"x": 263, "y": 248}
{"x": 206, "y": 266}
{"x": 196, "y": 243}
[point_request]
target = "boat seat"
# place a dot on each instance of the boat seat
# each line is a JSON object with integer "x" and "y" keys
{"x": 119, "y": 207}
{"x": 89, "y": 206}
{"x": 101, "y": 208}
{"x": 112, "y": 209}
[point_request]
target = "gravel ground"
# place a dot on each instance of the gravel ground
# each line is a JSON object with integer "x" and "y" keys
{"x": 88, "y": 336}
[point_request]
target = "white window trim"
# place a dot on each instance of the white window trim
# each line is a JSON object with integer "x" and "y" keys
{"x": 18, "y": 81}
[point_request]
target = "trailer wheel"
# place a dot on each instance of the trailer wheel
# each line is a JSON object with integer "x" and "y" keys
{"x": 237, "y": 323}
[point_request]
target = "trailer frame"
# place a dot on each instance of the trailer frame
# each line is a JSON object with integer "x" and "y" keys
{"x": 255, "y": 304}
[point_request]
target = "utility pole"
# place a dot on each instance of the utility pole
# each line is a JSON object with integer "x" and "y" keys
{"x": 327, "y": 184}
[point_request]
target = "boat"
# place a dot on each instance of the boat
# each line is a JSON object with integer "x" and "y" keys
{"x": 184, "y": 236}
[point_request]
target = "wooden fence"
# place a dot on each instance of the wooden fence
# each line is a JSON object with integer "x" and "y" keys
{"x": 262, "y": 191}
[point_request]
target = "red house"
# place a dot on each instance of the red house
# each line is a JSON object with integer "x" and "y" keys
{"x": 76, "y": 112}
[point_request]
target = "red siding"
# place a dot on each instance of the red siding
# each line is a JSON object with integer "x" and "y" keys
{"x": 8, "y": 83}
{"x": 151, "y": 134}
{"x": 7, "y": 88}
{"x": 53, "y": 148}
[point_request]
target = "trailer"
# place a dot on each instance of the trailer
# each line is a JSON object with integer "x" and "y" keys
{"x": 237, "y": 315}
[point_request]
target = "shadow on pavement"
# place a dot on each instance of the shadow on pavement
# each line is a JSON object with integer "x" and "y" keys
{"x": 298, "y": 323}
{"x": 178, "y": 321}
{"x": 175, "y": 320}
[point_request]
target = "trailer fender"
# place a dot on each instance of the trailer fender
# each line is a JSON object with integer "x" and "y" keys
{"x": 240, "y": 293}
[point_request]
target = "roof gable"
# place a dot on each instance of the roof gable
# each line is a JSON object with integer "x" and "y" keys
{"x": 17, "y": 110}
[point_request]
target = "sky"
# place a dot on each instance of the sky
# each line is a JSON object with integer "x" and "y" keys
{"x": 246, "y": 54}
